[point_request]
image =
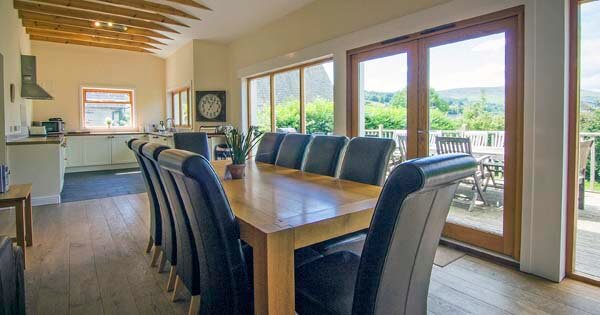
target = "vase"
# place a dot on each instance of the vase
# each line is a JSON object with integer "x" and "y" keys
{"x": 237, "y": 171}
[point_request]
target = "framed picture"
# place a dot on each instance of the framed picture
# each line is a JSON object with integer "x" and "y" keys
{"x": 211, "y": 106}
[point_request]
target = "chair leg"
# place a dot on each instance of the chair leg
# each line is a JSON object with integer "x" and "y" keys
{"x": 176, "y": 289}
{"x": 194, "y": 305}
{"x": 172, "y": 277}
{"x": 150, "y": 243}
{"x": 163, "y": 261}
{"x": 479, "y": 190}
{"x": 155, "y": 255}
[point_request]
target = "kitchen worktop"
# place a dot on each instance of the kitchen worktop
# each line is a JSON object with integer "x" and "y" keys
{"x": 35, "y": 140}
{"x": 105, "y": 133}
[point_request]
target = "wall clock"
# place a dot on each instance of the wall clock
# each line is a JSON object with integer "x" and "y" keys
{"x": 211, "y": 106}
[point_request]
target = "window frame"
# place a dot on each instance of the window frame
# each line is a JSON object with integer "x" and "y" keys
{"x": 84, "y": 101}
{"x": 271, "y": 76}
{"x": 189, "y": 104}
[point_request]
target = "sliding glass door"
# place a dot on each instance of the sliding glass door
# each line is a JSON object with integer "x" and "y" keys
{"x": 453, "y": 90}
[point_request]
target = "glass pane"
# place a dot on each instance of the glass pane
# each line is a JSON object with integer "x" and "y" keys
{"x": 466, "y": 105}
{"x": 587, "y": 245}
{"x": 260, "y": 103}
{"x": 176, "y": 119}
{"x": 382, "y": 95}
{"x": 185, "y": 109}
{"x": 106, "y": 115}
{"x": 318, "y": 98}
{"x": 112, "y": 96}
{"x": 287, "y": 101}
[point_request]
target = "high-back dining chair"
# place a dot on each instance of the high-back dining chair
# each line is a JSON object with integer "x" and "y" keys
{"x": 150, "y": 152}
{"x": 268, "y": 147}
{"x": 196, "y": 142}
{"x": 155, "y": 238}
{"x": 392, "y": 275}
{"x": 291, "y": 150}
{"x": 223, "y": 275}
{"x": 323, "y": 154}
{"x": 366, "y": 160}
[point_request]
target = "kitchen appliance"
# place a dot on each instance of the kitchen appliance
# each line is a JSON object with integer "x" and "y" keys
{"x": 54, "y": 127}
{"x": 29, "y": 87}
{"x": 37, "y": 131}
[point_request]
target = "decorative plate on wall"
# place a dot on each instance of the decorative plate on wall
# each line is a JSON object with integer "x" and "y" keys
{"x": 211, "y": 106}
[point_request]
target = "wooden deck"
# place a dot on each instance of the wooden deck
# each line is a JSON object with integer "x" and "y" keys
{"x": 89, "y": 259}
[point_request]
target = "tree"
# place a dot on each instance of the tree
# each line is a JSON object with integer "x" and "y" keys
{"x": 476, "y": 117}
{"x": 436, "y": 101}
{"x": 399, "y": 99}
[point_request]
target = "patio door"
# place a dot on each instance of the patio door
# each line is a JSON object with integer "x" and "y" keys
{"x": 463, "y": 89}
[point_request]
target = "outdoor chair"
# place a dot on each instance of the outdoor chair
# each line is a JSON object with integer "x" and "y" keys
{"x": 585, "y": 147}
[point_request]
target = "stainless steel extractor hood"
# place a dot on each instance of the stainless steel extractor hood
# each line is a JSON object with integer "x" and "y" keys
{"x": 29, "y": 87}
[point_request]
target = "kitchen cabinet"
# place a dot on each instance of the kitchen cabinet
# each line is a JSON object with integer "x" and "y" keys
{"x": 96, "y": 150}
{"x": 168, "y": 141}
{"x": 120, "y": 153}
{"x": 74, "y": 151}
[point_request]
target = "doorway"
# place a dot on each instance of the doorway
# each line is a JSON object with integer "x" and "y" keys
{"x": 454, "y": 88}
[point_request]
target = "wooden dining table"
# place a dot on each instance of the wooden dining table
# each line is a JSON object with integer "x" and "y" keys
{"x": 280, "y": 210}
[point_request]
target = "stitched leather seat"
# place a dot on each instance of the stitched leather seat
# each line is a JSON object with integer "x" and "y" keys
{"x": 155, "y": 221}
{"x": 392, "y": 275}
{"x": 268, "y": 147}
{"x": 196, "y": 142}
{"x": 150, "y": 153}
{"x": 323, "y": 154}
{"x": 366, "y": 160}
{"x": 291, "y": 150}
{"x": 12, "y": 280}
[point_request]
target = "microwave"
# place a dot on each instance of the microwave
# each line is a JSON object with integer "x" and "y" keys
{"x": 54, "y": 127}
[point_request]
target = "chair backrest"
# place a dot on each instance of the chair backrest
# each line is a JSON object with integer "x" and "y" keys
{"x": 291, "y": 150}
{"x": 395, "y": 266}
{"x": 447, "y": 145}
{"x": 323, "y": 154}
{"x": 150, "y": 152}
{"x": 196, "y": 142}
{"x": 12, "y": 278}
{"x": 155, "y": 217}
{"x": 478, "y": 138}
{"x": 268, "y": 147}
{"x": 223, "y": 275}
{"x": 400, "y": 139}
{"x": 366, "y": 160}
{"x": 585, "y": 147}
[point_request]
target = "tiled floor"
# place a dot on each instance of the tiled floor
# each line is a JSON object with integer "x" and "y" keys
{"x": 102, "y": 184}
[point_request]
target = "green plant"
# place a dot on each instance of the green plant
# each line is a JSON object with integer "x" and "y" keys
{"x": 241, "y": 144}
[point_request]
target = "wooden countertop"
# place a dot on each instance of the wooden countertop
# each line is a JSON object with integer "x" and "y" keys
{"x": 35, "y": 140}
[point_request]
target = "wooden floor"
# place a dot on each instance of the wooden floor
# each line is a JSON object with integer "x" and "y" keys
{"x": 89, "y": 259}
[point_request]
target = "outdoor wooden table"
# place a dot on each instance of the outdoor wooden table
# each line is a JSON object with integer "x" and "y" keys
{"x": 280, "y": 210}
{"x": 19, "y": 197}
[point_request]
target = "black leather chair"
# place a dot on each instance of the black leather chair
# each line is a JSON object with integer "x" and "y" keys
{"x": 291, "y": 150}
{"x": 392, "y": 275}
{"x": 150, "y": 152}
{"x": 223, "y": 276}
{"x": 268, "y": 147}
{"x": 155, "y": 238}
{"x": 366, "y": 160}
{"x": 323, "y": 154}
{"x": 12, "y": 278}
{"x": 196, "y": 142}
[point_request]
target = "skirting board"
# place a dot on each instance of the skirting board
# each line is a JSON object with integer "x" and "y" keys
{"x": 45, "y": 200}
{"x": 78, "y": 169}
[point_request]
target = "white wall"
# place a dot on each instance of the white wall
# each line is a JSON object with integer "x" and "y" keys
{"x": 543, "y": 229}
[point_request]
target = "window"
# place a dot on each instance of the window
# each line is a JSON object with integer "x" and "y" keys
{"x": 107, "y": 108}
{"x": 298, "y": 99}
{"x": 180, "y": 108}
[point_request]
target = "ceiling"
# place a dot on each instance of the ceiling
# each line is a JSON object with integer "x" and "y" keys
{"x": 152, "y": 26}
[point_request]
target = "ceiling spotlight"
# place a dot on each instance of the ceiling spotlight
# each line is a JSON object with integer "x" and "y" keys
{"x": 124, "y": 28}
{"x": 110, "y": 24}
{"x": 97, "y": 24}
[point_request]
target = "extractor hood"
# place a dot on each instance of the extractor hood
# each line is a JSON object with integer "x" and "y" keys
{"x": 29, "y": 87}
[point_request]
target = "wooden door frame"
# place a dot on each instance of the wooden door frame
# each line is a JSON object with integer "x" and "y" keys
{"x": 513, "y": 18}
{"x": 573, "y": 144}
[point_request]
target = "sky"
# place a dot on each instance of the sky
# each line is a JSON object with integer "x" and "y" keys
{"x": 479, "y": 62}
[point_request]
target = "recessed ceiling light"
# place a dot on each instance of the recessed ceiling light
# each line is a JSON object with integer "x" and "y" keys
{"x": 110, "y": 24}
{"x": 97, "y": 24}
{"x": 124, "y": 28}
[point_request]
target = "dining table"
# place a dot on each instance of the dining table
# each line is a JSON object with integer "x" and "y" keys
{"x": 280, "y": 210}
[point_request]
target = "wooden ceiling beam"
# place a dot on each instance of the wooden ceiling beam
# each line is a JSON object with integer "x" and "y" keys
{"x": 83, "y": 43}
{"x": 111, "y": 9}
{"x": 91, "y": 16}
{"x": 61, "y": 20}
{"x": 87, "y": 38}
{"x": 191, "y": 3}
{"x": 152, "y": 6}
{"x": 38, "y": 25}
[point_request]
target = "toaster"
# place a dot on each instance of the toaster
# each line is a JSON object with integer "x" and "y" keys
{"x": 37, "y": 131}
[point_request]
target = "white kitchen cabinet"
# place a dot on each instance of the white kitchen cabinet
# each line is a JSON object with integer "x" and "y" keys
{"x": 168, "y": 141}
{"x": 120, "y": 153}
{"x": 96, "y": 150}
{"x": 74, "y": 151}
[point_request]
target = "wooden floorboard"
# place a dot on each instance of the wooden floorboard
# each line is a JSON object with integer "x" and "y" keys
{"x": 89, "y": 258}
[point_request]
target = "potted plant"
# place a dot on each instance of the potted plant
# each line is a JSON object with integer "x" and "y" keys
{"x": 108, "y": 121}
{"x": 241, "y": 145}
